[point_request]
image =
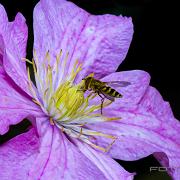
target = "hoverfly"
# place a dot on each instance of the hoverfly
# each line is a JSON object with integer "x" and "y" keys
{"x": 103, "y": 89}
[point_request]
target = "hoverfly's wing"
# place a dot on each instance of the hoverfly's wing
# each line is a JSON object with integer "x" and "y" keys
{"x": 118, "y": 83}
{"x": 107, "y": 96}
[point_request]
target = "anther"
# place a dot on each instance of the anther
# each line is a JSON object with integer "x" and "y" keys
{"x": 80, "y": 134}
{"x": 37, "y": 102}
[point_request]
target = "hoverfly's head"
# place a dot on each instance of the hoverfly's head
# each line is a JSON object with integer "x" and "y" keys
{"x": 86, "y": 81}
{"x": 90, "y": 76}
{"x": 87, "y": 78}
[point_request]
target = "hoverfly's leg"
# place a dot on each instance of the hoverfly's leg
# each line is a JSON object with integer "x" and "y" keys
{"x": 102, "y": 101}
{"x": 82, "y": 89}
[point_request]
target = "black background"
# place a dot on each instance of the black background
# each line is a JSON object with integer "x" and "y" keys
{"x": 154, "y": 49}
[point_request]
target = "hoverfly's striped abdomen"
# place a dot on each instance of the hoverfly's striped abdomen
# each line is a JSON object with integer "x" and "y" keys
{"x": 111, "y": 92}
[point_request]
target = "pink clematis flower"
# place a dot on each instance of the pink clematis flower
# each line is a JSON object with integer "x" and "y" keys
{"x": 70, "y": 138}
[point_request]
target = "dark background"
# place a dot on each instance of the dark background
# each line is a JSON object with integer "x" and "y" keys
{"x": 153, "y": 49}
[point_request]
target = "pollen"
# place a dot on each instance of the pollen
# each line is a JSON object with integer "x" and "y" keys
{"x": 62, "y": 99}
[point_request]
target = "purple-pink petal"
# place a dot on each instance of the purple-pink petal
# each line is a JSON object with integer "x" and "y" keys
{"x": 149, "y": 127}
{"x": 14, "y": 39}
{"x": 103, "y": 44}
{"x": 15, "y": 105}
{"x": 1, "y": 50}
{"x": 17, "y": 156}
{"x": 61, "y": 159}
{"x": 100, "y": 43}
{"x": 110, "y": 168}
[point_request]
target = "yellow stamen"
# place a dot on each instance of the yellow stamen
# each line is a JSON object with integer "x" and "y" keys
{"x": 81, "y": 132}
{"x": 58, "y": 60}
{"x": 97, "y": 147}
{"x": 26, "y": 60}
{"x": 47, "y": 57}
{"x": 34, "y": 67}
{"x": 110, "y": 145}
{"x": 30, "y": 83}
{"x": 113, "y": 118}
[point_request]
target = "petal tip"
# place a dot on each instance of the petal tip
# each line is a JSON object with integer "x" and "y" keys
{"x": 20, "y": 18}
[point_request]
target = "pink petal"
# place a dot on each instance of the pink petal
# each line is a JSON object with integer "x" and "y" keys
{"x": 99, "y": 42}
{"x": 14, "y": 35}
{"x": 1, "y": 50}
{"x": 146, "y": 129}
{"x": 15, "y": 105}
{"x": 108, "y": 166}
{"x": 17, "y": 156}
{"x": 60, "y": 158}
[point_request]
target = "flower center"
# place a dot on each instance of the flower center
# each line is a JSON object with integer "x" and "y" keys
{"x": 63, "y": 100}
